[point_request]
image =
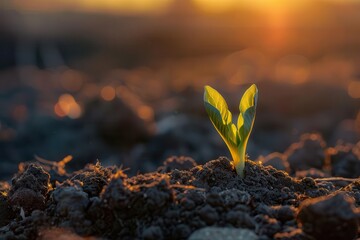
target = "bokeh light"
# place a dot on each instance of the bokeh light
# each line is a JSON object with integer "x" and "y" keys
{"x": 108, "y": 93}
{"x": 354, "y": 89}
{"x": 67, "y": 106}
{"x": 145, "y": 112}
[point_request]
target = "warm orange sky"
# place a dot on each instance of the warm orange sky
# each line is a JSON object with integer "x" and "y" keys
{"x": 157, "y": 6}
{"x": 125, "y": 6}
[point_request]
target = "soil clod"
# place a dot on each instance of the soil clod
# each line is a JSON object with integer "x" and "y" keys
{"x": 329, "y": 217}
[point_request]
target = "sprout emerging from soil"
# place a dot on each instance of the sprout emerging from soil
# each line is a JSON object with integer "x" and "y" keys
{"x": 235, "y": 137}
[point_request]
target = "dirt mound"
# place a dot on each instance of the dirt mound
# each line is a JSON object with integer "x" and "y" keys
{"x": 172, "y": 204}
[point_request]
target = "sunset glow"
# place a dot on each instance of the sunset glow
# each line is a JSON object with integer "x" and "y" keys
{"x": 123, "y": 6}
{"x": 272, "y": 6}
{"x": 217, "y": 6}
{"x": 150, "y": 6}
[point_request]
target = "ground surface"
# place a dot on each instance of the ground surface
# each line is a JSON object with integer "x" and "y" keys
{"x": 181, "y": 197}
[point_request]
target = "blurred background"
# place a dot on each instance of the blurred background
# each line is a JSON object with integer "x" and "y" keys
{"x": 122, "y": 80}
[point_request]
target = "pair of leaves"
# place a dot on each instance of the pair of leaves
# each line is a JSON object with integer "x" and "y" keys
{"x": 235, "y": 137}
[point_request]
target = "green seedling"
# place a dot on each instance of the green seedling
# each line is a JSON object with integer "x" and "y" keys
{"x": 235, "y": 137}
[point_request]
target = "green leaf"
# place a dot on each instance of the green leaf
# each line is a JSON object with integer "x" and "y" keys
{"x": 247, "y": 114}
{"x": 236, "y": 138}
{"x": 220, "y": 116}
{"x": 214, "y": 98}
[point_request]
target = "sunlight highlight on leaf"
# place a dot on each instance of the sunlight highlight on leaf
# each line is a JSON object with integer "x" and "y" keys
{"x": 236, "y": 138}
{"x": 247, "y": 109}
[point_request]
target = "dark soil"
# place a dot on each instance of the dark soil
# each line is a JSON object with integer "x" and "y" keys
{"x": 182, "y": 197}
